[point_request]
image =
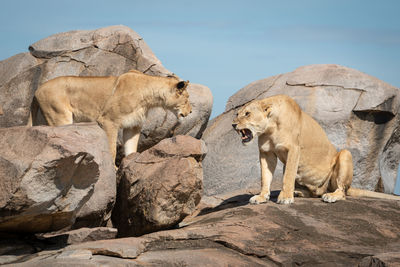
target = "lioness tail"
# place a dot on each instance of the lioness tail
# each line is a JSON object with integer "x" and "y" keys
{"x": 33, "y": 114}
{"x": 355, "y": 192}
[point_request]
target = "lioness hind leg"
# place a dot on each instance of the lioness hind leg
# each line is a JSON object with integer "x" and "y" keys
{"x": 57, "y": 116}
{"x": 341, "y": 179}
{"x": 55, "y": 108}
{"x": 302, "y": 192}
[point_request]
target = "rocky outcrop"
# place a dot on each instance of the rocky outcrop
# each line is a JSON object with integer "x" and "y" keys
{"x": 234, "y": 233}
{"x": 107, "y": 51}
{"x": 159, "y": 187}
{"x": 357, "y": 111}
{"x": 48, "y": 173}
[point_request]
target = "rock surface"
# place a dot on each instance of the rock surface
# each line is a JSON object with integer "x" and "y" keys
{"x": 159, "y": 187}
{"x": 48, "y": 173}
{"x": 20, "y": 76}
{"x": 97, "y": 210}
{"x": 383, "y": 259}
{"x": 107, "y": 51}
{"x": 234, "y": 233}
{"x": 390, "y": 160}
{"x": 357, "y": 111}
{"x": 79, "y": 235}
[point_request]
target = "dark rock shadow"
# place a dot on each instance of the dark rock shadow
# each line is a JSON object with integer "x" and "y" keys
{"x": 23, "y": 247}
{"x": 236, "y": 201}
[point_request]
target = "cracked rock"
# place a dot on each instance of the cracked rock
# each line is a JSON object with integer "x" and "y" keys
{"x": 358, "y": 112}
{"x": 159, "y": 187}
{"x": 80, "y": 235}
{"x": 48, "y": 173}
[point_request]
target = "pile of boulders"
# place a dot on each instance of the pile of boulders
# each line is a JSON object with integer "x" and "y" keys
{"x": 63, "y": 178}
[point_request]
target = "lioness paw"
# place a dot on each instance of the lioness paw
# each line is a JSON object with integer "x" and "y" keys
{"x": 329, "y": 198}
{"x": 332, "y": 197}
{"x": 285, "y": 198}
{"x": 258, "y": 199}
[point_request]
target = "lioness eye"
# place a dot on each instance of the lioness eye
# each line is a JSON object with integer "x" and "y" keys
{"x": 247, "y": 114}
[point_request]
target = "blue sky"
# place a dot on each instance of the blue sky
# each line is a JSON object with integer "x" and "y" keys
{"x": 225, "y": 45}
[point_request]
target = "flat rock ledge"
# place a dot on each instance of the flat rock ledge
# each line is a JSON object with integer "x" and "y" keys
{"x": 227, "y": 231}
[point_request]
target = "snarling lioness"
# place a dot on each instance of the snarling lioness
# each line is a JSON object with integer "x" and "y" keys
{"x": 287, "y": 133}
{"x": 112, "y": 102}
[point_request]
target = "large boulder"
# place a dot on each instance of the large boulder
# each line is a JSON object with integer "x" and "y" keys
{"x": 159, "y": 187}
{"x": 48, "y": 173}
{"x": 357, "y": 111}
{"x": 108, "y": 51}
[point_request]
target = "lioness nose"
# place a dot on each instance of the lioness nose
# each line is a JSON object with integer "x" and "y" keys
{"x": 234, "y": 126}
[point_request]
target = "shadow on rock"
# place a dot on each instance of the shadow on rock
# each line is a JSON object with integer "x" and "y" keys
{"x": 236, "y": 201}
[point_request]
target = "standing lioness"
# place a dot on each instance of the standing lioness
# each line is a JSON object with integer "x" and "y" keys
{"x": 284, "y": 131}
{"x": 113, "y": 102}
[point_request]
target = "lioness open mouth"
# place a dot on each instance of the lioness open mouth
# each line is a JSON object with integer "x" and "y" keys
{"x": 247, "y": 135}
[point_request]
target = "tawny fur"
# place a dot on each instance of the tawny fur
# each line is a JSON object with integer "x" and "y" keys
{"x": 112, "y": 102}
{"x": 312, "y": 163}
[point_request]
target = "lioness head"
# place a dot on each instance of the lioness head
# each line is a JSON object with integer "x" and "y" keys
{"x": 252, "y": 120}
{"x": 178, "y": 100}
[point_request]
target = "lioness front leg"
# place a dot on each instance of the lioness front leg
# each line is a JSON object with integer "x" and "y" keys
{"x": 111, "y": 130}
{"x": 286, "y": 196}
{"x": 131, "y": 140}
{"x": 342, "y": 177}
{"x": 268, "y": 163}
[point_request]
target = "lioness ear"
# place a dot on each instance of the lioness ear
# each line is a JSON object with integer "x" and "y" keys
{"x": 182, "y": 85}
{"x": 266, "y": 108}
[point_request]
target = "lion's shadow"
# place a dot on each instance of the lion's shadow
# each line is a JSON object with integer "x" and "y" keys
{"x": 236, "y": 201}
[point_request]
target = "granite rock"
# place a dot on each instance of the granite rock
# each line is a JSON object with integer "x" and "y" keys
{"x": 159, "y": 187}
